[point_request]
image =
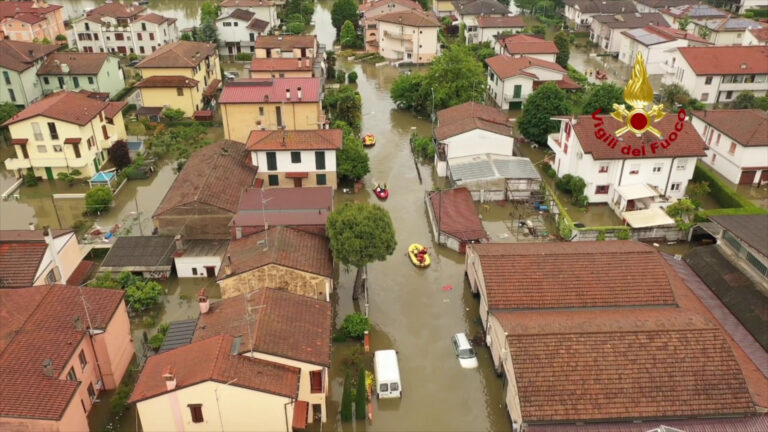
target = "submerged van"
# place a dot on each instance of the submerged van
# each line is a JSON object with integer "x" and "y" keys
{"x": 387, "y": 373}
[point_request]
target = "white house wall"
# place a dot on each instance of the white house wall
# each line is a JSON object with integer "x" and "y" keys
{"x": 475, "y": 142}
{"x": 284, "y": 163}
{"x": 184, "y": 266}
{"x": 727, "y": 164}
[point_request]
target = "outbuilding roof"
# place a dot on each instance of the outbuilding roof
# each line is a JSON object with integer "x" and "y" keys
{"x": 488, "y": 166}
{"x": 751, "y": 229}
{"x": 139, "y": 253}
{"x": 455, "y": 214}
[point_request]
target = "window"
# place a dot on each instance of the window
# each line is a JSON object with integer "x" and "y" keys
{"x": 708, "y": 80}
{"x": 252, "y": 37}
{"x": 83, "y": 360}
{"x": 704, "y": 97}
{"x": 76, "y": 148}
{"x": 151, "y": 36}
{"x": 57, "y": 149}
{"x": 295, "y": 157}
{"x": 728, "y": 95}
{"x": 12, "y": 95}
{"x": 273, "y": 180}
{"x": 179, "y": 91}
{"x": 394, "y": 387}
{"x": 141, "y": 49}
{"x": 271, "y": 161}
{"x": 603, "y": 189}
{"x": 196, "y": 411}
{"x": 675, "y": 186}
{"x": 316, "y": 381}
{"x": 82, "y": 403}
{"x": 71, "y": 375}
{"x": 603, "y": 168}
{"x": 732, "y": 150}
{"x": 227, "y": 24}
{"x": 91, "y": 392}
{"x": 42, "y": 149}
{"x": 139, "y": 36}
{"x": 104, "y": 131}
{"x": 657, "y": 168}
{"x": 46, "y": 81}
{"x": 320, "y": 160}
{"x": 7, "y": 77}
{"x": 143, "y": 26}
{"x": 52, "y": 130}
{"x": 76, "y": 82}
{"x": 235, "y": 23}
{"x": 90, "y": 80}
{"x": 383, "y": 387}
{"x": 194, "y": 271}
{"x": 119, "y": 36}
{"x": 568, "y": 132}
{"x": 87, "y": 27}
{"x": 261, "y": 111}
{"x": 682, "y": 164}
{"x": 322, "y": 180}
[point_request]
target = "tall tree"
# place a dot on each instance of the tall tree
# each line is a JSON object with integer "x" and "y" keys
{"x": 348, "y": 37}
{"x": 745, "y": 100}
{"x": 603, "y": 97}
{"x": 7, "y": 110}
{"x": 546, "y": 102}
{"x": 683, "y": 23}
{"x": 346, "y": 399}
{"x": 361, "y": 396}
{"x": 209, "y": 11}
{"x": 360, "y": 234}
{"x": 563, "y": 44}
{"x": 119, "y": 154}
{"x": 344, "y": 104}
{"x": 343, "y": 10}
{"x": 352, "y": 161}
{"x": 206, "y": 32}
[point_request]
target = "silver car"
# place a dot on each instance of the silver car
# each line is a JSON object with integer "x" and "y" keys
{"x": 464, "y": 351}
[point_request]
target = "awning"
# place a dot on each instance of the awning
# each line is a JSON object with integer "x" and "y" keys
{"x": 19, "y": 141}
{"x": 300, "y": 410}
{"x": 637, "y": 191}
{"x": 149, "y": 111}
{"x": 72, "y": 140}
{"x": 647, "y": 218}
{"x": 212, "y": 87}
{"x": 297, "y": 175}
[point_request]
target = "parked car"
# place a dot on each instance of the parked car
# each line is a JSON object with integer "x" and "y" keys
{"x": 230, "y": 75}
{"x": 464, "y": 351}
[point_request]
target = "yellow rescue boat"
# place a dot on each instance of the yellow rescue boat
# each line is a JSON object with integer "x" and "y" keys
{"x": 369, "y": 140}
{"x": 418, "y": 255}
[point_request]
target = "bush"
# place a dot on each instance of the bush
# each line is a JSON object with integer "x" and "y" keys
{"x": 60, "y": 38}
{"x": 119, "y": 154}
{"x": 98, "y": 199}
{"x": 346, "y": 400}
{"x": 564, "y": 228}
{"x": 623, "y": 234}
{"x": 355, "y": 325}
{"x": 423, "y": 148}
{"x": 295, "y": 27}
{"x": 30, "y": 179}
{"x": 244, "y": 56}
{"x": 133, "y": 56}
{"x": 722, "y": 192}
{"x": 341, "y": 76}
{"x": 140, "y": 293}
{"x": 352, "y": 77}
{"x": 361, "y": 396}
{"x": 174, "y": 114}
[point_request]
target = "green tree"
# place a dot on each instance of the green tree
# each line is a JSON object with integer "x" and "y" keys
{"x": 207, "y": 32}
{"x": 186, "y": 36}
{"x": 462, "y": 39}
{"x": 119, "y": 154}
{"x": 346, "y": 399}
{"x": 352, "y": 77}
{"x": 105, "y": 280}
{"x": 546, "y": 102}
{"x": 360, "y": 233}
{"x": 348, "y": 35}
{"x": 352, "y": 162}
{"x": 345, "y": 104}
{"x": 536, "y": 29}
{"x": 684, "y": 22}
{"x": 696, "y": 191}
{"x": 603, "y": 96}
{"x": 295, "y": 27}
{"x": 30, "y": 179}
{"x": 179, "y": 142}
{"x": 342, "y": 11}
{"x": 704, "y": 32}
{"x": 140, "y": 293}
{"x": 423, "y": 147}
{"x": 355, "y": 325}
{"x": 408, "y": 92}
{"x": 209, "y": 11}
{"x": 682, "y": 212}
{"x": 745, "y": 100}
{"x": 482, "y": 51}
{"x": 674, "y": 95}
{"x": 361, "y": 396}
{"x": 99, "y": 199}
{"x": 7, "y": 110}
{"x": 425, "y": 4}
{"x": 563, "y": 44}
{"x": 174, "y": 114}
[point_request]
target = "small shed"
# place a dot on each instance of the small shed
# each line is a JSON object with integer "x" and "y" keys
{"x": 454, "y": 219}
{"x": 150, "y": 256}
{"x": 150, "y": 113}
{"x": 198, "y": 258}
{"x": 102, "y": 179}
{"x": 495, "y": 177}
{"x": 647, "y": 218}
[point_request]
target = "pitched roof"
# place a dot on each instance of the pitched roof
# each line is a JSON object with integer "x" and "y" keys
{"x": 751, "y": 229}
{"x": 162, "y": 81}
{"x": 211, "y": 360}
{"x": 731, "y": 24}
{"x": 283, "y": 324}
{"x": 661, "y": 4}
{"x": 10, "y": 9}
{"x": 602, "y": 6}
{"x": 622, "y": 364}
{"x": 755, "y": 423}
{"x": 321, "y": 139}
{"x": 573, "y": 275}
{"x": 631, "y": 20}
{"x": 726, "y": 60}
{"x": 181, "y": 54}
{"x": 286, "y": 42}
{"x": 525, "y": 44}
{"x": 411, "y": 17}
{"x": 156, "y": 18}
{"x": 19, "y": 56}
{"x": 276, "y": 64}
{"x": 365, "y": 6}
{"x": 258, "y": 25}
{"x": 65, "y": 106}
{"x": 506, "y": 66}
{"x": 117, "y": 10}
{"x": 508, "y": 21}
{"x": 140, "y": 252}
{"x": 455, "y": 214}
{"x": 214, "y": 175}
{"x": 19, "y": 262}
{"x": 468, "y": 116}
{"x": 113, "y": 108}
{"x": 695, "y": 11}
{"x": 241, "y": 14}
{"x": 38, "y": 324}
{"x": 760, "y": 34}
{"x": 688, "y": 142}
{"x": 284, "y": 206}
{"x": 28, "y": 18}
{"x": 479, "y": 7}
{"x": 747, "y": 127}
{"x": 286, "y": 247}
{"x": 254, "y": 90}
{"x": 246, "y": 3}
{"x": 78, "y": 63}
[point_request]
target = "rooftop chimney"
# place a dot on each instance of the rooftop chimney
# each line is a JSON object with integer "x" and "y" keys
{"x": 238, "y": 232}
{"x": 31, "y": 226}
{"x": 179, "y": 242}
{"x": 64, "y": 68}
{"x": 78, "y": 323}
{"x": 228, "y": 265}
{"x": 48, "y": 367}
{"x": 298, "y": 92}
{"x": 169, "y": 375}
{"x": 743, "y": 65}
{"x": 288, "y": 94}
{"x": 266, "y": 98}
{"x": 203, "y": 302}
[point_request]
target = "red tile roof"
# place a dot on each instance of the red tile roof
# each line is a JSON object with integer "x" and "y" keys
{"x": 726, "y": 60}
{"x": 113, "y": 108}
{"x": 525, "y": 44}
{"x": 211, "y": 360}
{"x": 167, "y": 81}
{"x": 21, "y": 252}
{"x": 411, "y": 17}
{"x": 455, "y": 214}
{"x": 760, "y": 34}
{"x": 37, "y": 325}
{"x": 286, "y": 247}
{"x": 748, "y": 127}
{"x": 757, "y": 423}
{"x": 65, "y": 106}
{"x": 28, "y": 18}
{"x": 117, "y": 10}
{"x": 500, "y": 22}
{"x": 573, "y": 275}
{"x": 78, "y": 63}
{"x": 688, "y": 142}
{"x": 214, "y": 175}
{"x": 10, "y": 9}
{"x": 283, "y": 324}
{"x": 622, "y": 364}
{"x": 506, "y": 66}
{"x": 286, "y": 42}
{"x": 282, "y": 140}
{"x": 246, "y": 3}
{"x": 300, "y": 411}
{"x": 156, "y": 18}
{"x": 284, "y": 206}
{"x": 468, "y": 116}
{"x": 181, "y": 54}
{"x": 81, "y": 273}
{"x": 281, "y": 64}
{"x": 258, "y": 24}
{"x": 19, "y": 56}
{"x": 365, "y": 6}
{"x": 271, "y": 90}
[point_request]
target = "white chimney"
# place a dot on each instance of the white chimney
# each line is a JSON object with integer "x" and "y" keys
{"x": 48, "y": 367}
{"x": 64, "y": 68}
{"x": 203, "y": 301}
{"x": 288, "y": 94}
{"x": 31, "y": 226}
{"x": 228, "y": 265}
{"x": 238, "y": 232}
{"x": 298, "y": 93}
{"x": 169, "y": 375}
{"x": 179, "y": 242}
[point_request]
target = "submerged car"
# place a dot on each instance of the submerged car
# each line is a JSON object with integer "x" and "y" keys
{"x": 464, "y": 351}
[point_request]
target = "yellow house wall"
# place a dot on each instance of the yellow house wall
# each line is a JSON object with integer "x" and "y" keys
{"x": 161, "y": 96}
{"x": 275, "y": 276}
{"x": 225, "y": 408}
{"x": 240, "y": 119}
{"x": 193, "y": 96}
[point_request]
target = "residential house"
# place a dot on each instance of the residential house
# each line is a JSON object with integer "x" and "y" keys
{"x": 471, "y": 129}
{"x": 282, "y": 68}
{"x": 239, "y": 30}
{"x": 606, "y": 29}
{"x": 31, "y": 21}
{"x": 61, "y": 346}
{"x": 718, "y": 74}
{"x": 654, "y": 43}
{"x": 281, "y": 327}
{"x": 454, "y": 220}
{"x": 494, "y": 177}
{"x": 746, "y": 239}
{"x": 755, "y": 36}
{"x": 152, "y": 31}
{"x": 409, "y": 35}
{"x": 520, "y": 45}
{"x": 180, "y": 75}
{"x": 635, "y": 160}
{"x": 443, "y": 8}
{"x": 207, "y": 384}
{"x": 647, "y": 6}
{"x": 204, "y": 197}
{"x": 51, "y": 137}
{"x": 304, "y": 209}
{"x": 371, "y": 9}
{"x": 581, "y": 12}
{"x": 697, "y": 12}
{"x": 745, "y": 5}
{"x": 198, "y": 258}
{"x": 94, "y": 72}
{"x": 281, "y": 258}
{"x": 512, "y": 79}
{"x": 19, "y": 62}
{"x": 295, "y": 158}
{"x": 147, "y": 256}
{"x": 737, "y": 143}
{"x": 725, "y": 31}
{"x": 270, "y": 104}
{"x": 489, "y": 27}
{"x": 37, "y": 257}
{"x": 468, "y": 11}
{"x": 287, "y": 46}
{"x": 263, "y": 10}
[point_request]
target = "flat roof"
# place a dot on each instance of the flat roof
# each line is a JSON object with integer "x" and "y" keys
{"x": 647, "y": 218}
{"x": 139, "y": 253}
{"x": 637, "y": 191}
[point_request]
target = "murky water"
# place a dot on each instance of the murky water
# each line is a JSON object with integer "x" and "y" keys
{"x": 187, "y": 12}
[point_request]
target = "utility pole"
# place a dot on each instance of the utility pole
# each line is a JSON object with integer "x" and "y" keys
{"x": 55, "y": 210}
{"x": 138, "y": 215}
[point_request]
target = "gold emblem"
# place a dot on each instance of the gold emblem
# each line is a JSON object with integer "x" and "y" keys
{"x": 639, "y": 94}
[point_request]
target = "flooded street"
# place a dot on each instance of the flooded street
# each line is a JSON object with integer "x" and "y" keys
{"x": 186, "y": 12}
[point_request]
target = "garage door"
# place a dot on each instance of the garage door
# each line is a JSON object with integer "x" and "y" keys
{"x": 747, "y": 177}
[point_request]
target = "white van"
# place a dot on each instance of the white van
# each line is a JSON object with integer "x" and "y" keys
{"x": 387, "y": 372}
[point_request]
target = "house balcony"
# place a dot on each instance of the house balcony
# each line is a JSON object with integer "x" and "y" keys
{"x": 553, "y": 141}
{"x": 57, "y": 162}
{"x": 398, "y": 35}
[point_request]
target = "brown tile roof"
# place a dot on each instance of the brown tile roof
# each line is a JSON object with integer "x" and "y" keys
{"x": 751, "y": 229}
{"x": 10, "y": 9}
{"x": 65, "y": 106}
{"x": 760, "y": 34}
{"x": 283, "y": 324}
{"x": 28, "y": 18}
{"x": 166, "y": 81}
{"x": 573, "y": 275}
{"x": 211, "y": 360}
{"x": 622, "y": 364}
{"x": 479, "y": 7}
{"x": 181, "y": 54}
{"x": 260, "y": 90}
{"x": 468, "y": 116}
{"x": 500, "y": 22}
{"x": 20, "y": 56}
{"x": 506, "y": 66}
{"x": 726, "y": 60}
{"x": 113, "y": 108}
{"x": 747, "y": 127}
{"x": 757, "y": 423}
{"x": 38, "y": 325}
{"x": 631, "y": 20}
{"x": 455, "y": 214}
{"x": 27, "y": 235}
{"x": 286, "y": 247}
{"x": 258, "y": 24}
{"x": 566, "y": 83}
{"x": 117, "y": 10}
{"x": 214, "y": 175}
{"x": 602, "y": 7}
{"x": 19, "y": 262}
{"x": 374, "y": 4}
{"x": 525, "y": 44}
{"x": 281, "y": 64}
{"x": 246, "y": 3}
{"x": 241, "y": 14}
{"x": 688, "y": 142}
{"x": 286, "y": 207}
{"x": 282, "y": 140}
{"x": 286, "y": 42}
{"x": 155, "y": 18}
{"x": 79, "y": 63}
{"x": 661, "y": 4}
{"x": 413, "y": 18}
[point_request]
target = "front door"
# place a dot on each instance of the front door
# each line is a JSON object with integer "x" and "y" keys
{"x": 747, "y": 177}
{"x": 49, "y": 173}
{"x": 210, "y": 271}
{"x": 297, "y": 182}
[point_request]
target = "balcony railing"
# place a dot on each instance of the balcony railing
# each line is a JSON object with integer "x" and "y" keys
{"x": 398, "y": 35}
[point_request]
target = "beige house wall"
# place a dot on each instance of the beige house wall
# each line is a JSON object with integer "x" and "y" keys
{"x": 192, "y": 99}
{"x": 240, "y": 119}
{"x": 280, "y": 277}
{"x": 502, "y": 361}
{"x": 397, "y": 40}
{"x": 278, "y": 53}
{"x": 310, "y": 181}
{"x": 474, "y": 272}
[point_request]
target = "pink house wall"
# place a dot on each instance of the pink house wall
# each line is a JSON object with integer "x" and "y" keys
{"x": 115, "y": 348}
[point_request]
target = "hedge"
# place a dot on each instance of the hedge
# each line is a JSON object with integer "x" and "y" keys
{"x": 122, "y": 93}
{"x": 722, "y": 192}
